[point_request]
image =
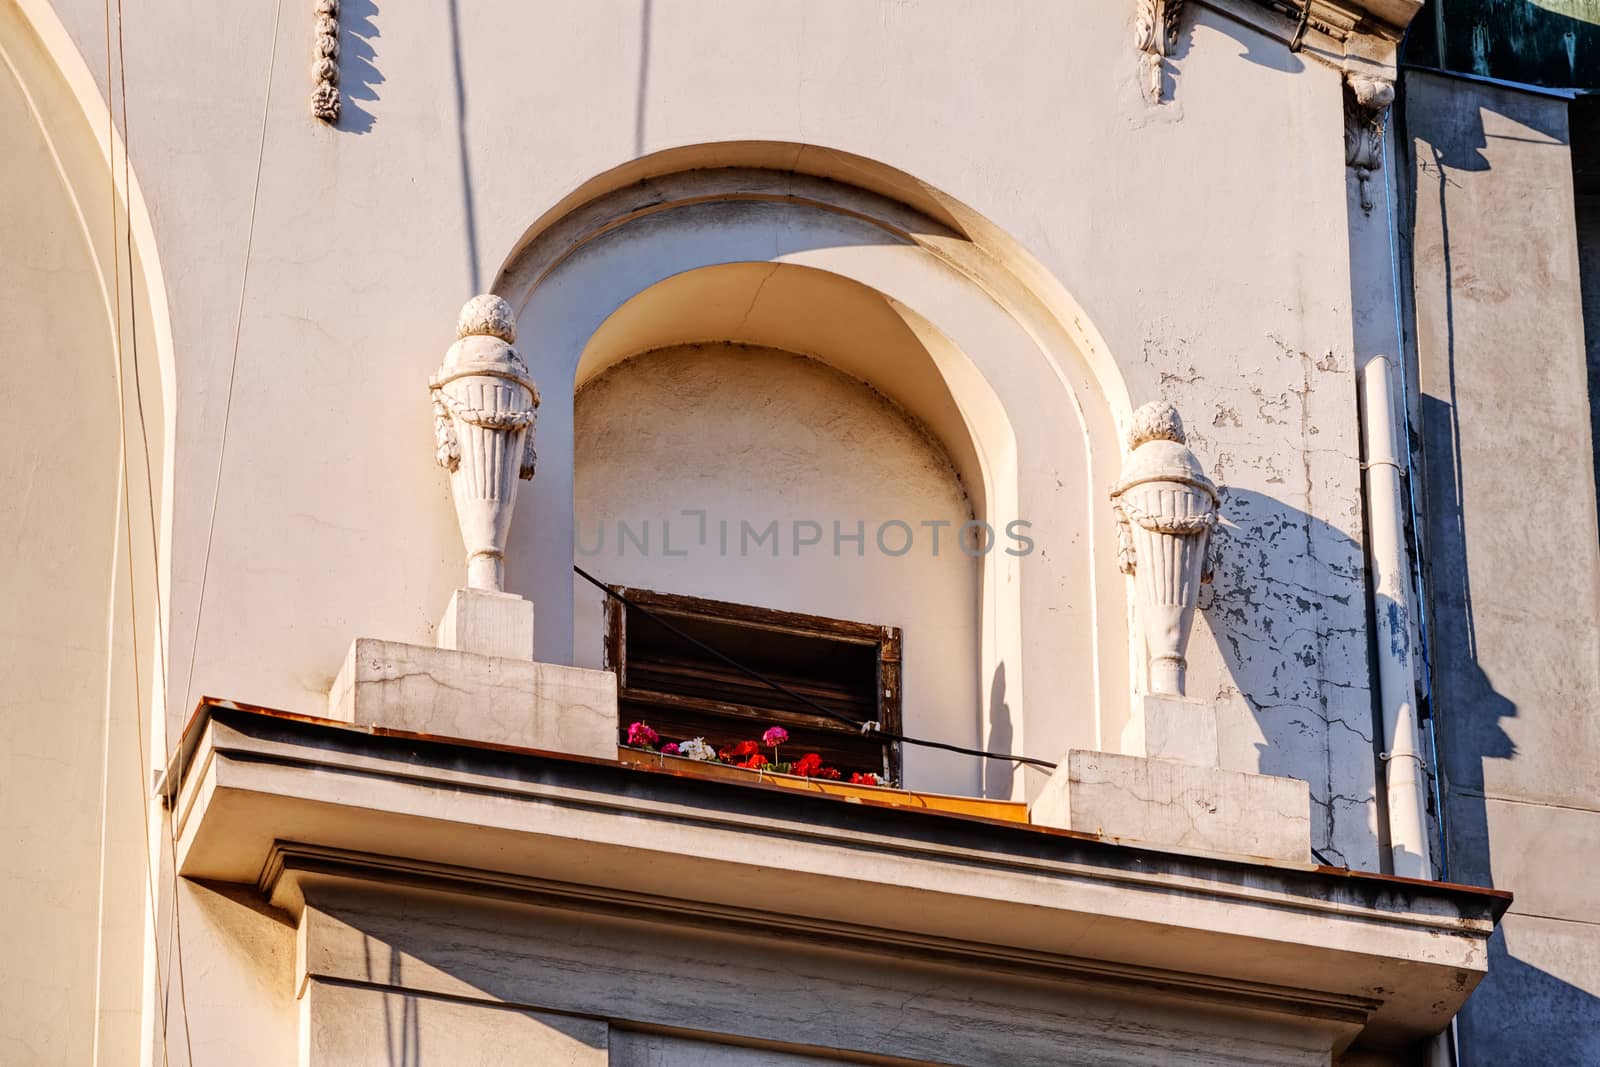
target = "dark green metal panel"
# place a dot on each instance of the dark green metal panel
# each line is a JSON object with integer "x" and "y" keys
{"x": 1554, "y": 43}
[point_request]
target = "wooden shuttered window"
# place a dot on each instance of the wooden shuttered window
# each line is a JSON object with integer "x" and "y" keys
{"x": 852, "y": 669}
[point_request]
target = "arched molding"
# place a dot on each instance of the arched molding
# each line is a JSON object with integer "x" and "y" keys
{"x": 836, "y": 181}
{"x": 91, "y": 159}
{"x": 1040, "y": 401}
{"x": 98, "y": 434}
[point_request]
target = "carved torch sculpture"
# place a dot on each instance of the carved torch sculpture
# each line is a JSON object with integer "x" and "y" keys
{"x": 484, "y": 403}
{"x": 1166, "y": 508}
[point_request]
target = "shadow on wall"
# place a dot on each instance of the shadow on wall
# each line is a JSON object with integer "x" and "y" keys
{"x": 1287, "y": 612}
{"x": 402, "y": 1026}
{"x": 999, "y": 777}
{"x": 1517, "y": 998}
{"x": 1259, "y": 49}
{"x": 359, "y": 77}
{"x": 1519, "y": 1010}
{"x": 469, "y": 218}
{"x": 641, "y": 108}
{"x": 1465, "y": 151}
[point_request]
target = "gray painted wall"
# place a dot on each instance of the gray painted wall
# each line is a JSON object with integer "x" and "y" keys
{"x": 1512, "y": 548}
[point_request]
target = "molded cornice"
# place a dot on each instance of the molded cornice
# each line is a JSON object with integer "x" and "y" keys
{"x": 276, "y": 800}
{"x": 1360, "y": 37}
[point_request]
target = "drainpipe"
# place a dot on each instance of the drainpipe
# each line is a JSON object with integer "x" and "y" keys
{"x": 1405, "y": 772}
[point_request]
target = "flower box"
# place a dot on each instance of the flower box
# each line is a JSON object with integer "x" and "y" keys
{"x": 1009, "y": 811}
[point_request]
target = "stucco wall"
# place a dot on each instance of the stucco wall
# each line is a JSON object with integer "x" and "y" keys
{"x": 752, "y": 436}
{"x": 1205, "y": 238}
{"x": 367, "y": 237}
{"x": 62, "y": 488}
{"x": 1513, "y": 550}
{"x": 73, "y": 766}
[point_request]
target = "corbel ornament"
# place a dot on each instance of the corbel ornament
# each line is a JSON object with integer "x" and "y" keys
{"x": 484, "y": 406}
{"x": 1366, "y": 112}
{"x": 325, "y": 63}
{"x": 1155, "y": 34}
{"x": 1166, "y": 509}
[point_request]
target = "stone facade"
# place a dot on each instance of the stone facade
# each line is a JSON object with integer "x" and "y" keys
{"x": 271, "y": 745}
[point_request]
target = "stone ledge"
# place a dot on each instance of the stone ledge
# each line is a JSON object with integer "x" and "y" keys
{"x": 500, "y": 700}
{"x": 1169, "y": 804}
{"x": 252, "y": 784}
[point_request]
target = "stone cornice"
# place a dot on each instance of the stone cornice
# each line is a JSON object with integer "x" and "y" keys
{"x": 1404, "y": 956}
{"x": 1359, "y": 37}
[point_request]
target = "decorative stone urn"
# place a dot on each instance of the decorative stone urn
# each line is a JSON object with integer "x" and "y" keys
{"x": 484, "y": 402}
{"x": 1166, "y": 508}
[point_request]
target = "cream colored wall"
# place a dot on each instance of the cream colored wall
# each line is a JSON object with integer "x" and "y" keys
{"x": 755, "y": 435}
{"x": 1204, "y": 241}
{"x": 1225, "y": 292}
{"x": 71, "y": 776}
{"x": 58, "y": 476}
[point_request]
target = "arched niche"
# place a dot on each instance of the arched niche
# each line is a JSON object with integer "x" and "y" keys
{"x": 902, "y": 294}
{"x": 728, "y": 398}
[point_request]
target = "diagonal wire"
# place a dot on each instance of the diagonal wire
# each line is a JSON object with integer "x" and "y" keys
{"x": 233, "y": 365}
{"x": 175, "y": 942}
{"x": 222, "y": 449}
{"x": 869, "y": 728}
{"x": 125, "y": 507}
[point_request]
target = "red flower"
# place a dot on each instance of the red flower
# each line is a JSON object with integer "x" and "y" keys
{"x": 808, "y": 765}
{"x": 740, "y": 751}
{"x": 829, "y": 773}
{"x": 857, "y": 778}
{"x": 755, "y": 762}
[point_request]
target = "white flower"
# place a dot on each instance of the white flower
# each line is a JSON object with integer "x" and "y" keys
{"x": 696, "y": 749}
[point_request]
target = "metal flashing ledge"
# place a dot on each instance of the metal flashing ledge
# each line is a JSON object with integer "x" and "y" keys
{"x": 589, "y": 888}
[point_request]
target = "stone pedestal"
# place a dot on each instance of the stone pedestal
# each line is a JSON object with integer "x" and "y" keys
{"x": 1165, "y": 803}
{"x": 488, "y": 624}
{"x": 1176, "y": 728}
{"x": 499, "y": 699}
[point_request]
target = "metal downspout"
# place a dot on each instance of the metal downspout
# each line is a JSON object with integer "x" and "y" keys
{"x": 1405, "y": 769}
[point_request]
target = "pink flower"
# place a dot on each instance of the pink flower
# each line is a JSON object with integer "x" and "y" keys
{"x": 775, "y": 736}
{"x": 669, "y": 749}
{"x": 641, "y": 736}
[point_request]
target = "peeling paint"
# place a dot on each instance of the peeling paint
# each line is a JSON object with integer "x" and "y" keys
{"x": 1399, "y": 633}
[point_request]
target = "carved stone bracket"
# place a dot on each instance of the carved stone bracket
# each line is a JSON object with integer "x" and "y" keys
{"x": 1366, "y": 112}
{"x": 1155, "y": 33}
{"x": 325, "y": 63}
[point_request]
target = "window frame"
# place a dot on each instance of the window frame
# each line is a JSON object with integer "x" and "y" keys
{"x": 886, "y": 639}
